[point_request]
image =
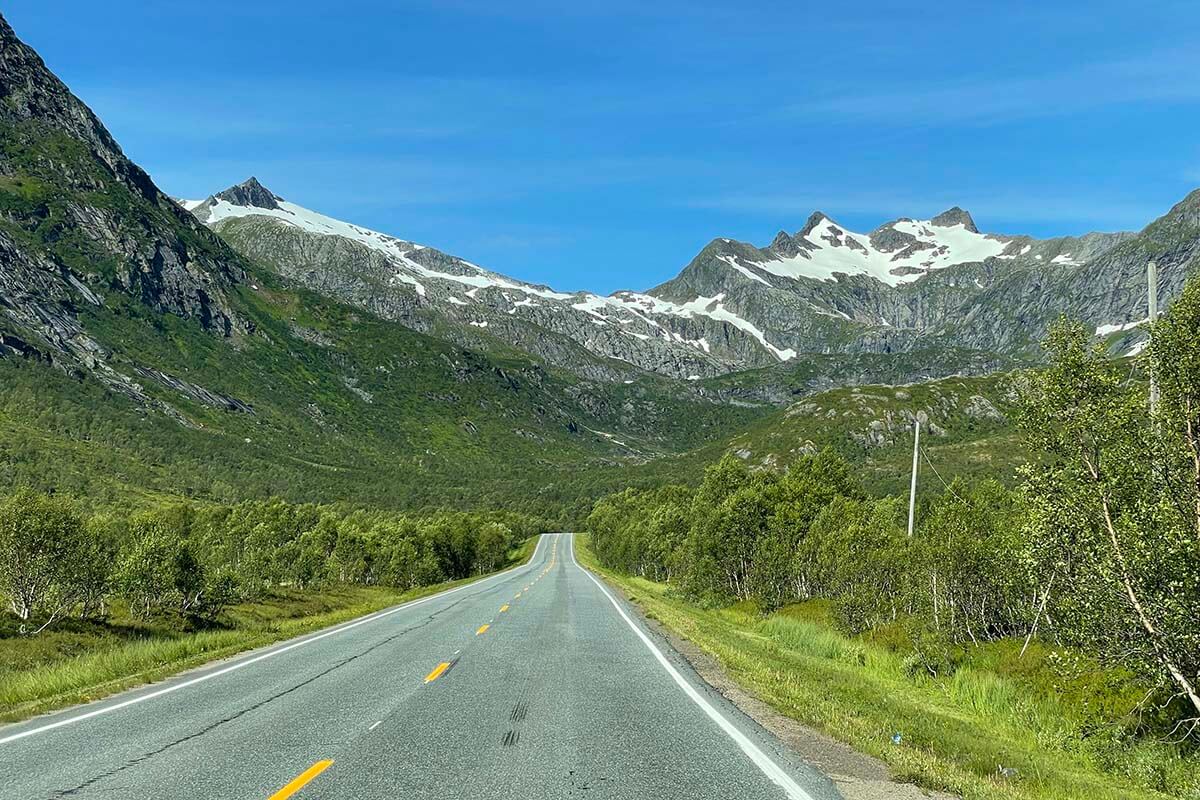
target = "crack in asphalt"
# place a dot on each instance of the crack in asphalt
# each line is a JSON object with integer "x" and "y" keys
{"x": 133, "y": 762}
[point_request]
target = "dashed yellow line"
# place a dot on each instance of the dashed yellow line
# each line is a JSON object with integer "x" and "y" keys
{"x": 482, "y": 629}
{"x": 301, "y": 780}
{"x": 504, "y": 608}
{"x": 437, "y": 672}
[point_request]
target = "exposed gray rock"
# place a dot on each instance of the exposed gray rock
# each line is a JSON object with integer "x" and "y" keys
{"x": 981, "y": 408}
{"x": 104, "y": 228}
{"x": 193, "y": 391}
{"x": 955, "y": 216}
{"x": 250, "y": 193}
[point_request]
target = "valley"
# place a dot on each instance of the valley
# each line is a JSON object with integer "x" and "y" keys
{"x": 239, "y": 428}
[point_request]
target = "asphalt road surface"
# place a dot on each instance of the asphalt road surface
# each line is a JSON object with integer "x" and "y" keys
{"x": 534, "y": 683}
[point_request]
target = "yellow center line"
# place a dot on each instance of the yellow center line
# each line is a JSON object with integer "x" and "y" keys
{"x": 482, "y": 628}
{"x": 437, "y": 672}
{"x": 504, "y": 607}
{"x": 301, "y": 780}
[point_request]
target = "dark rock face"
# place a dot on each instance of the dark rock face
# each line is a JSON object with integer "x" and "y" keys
{"x": 889, "y": 239}
{"x": 785, "y": 246}
{"x": 955, "y": 216}
{"x": 29, "y": 92}
{"x": 814, "y": 219}
{"x": 250, "y": 193}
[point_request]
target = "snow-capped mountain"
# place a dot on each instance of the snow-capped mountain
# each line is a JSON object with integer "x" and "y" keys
{"x": 898, "y": 252}
{"x": 424, "y": 287}
{"x": 908, "y": 285}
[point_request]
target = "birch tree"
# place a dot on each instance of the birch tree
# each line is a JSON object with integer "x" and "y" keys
{"x": 1108, "y": 505}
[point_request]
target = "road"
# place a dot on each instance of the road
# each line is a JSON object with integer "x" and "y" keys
{"x": 533, "y": 683}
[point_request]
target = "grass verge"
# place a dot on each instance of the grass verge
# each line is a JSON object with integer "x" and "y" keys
{"x": 956, "y": 732}
{"x": 80, "y": 662}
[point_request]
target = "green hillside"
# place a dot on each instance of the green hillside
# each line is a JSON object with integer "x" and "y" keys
{"x": 342, "y": 407}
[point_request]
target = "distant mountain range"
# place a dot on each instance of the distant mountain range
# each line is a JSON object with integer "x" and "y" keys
{"x": 908, "y": 285}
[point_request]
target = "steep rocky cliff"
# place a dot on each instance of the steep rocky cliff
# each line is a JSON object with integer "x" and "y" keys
{"x": 79, "y": 221}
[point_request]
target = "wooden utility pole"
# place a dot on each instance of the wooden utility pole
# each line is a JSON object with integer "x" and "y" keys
{"x": 1152, "y": 286}
{"x": 912, "y": 493}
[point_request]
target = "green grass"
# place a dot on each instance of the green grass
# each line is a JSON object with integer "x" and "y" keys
{"x": 77, "y": 662}
{"x": 955, "y": 731}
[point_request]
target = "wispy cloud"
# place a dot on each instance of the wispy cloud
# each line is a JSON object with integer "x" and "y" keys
{"x": 1157, "y": 78}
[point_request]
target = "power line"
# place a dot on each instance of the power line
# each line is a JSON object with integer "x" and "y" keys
{"x": 940, "y": 478}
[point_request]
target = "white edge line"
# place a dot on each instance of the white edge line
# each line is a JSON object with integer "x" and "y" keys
{"x": 263, "y": 656}
{"x": 376, "y": 725}
{"x": 752, "y": 751}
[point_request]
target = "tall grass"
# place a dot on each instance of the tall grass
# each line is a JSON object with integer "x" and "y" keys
{"x": 810, "y": 639}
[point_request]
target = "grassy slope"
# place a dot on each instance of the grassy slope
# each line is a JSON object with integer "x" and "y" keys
{"x": 77, "y": 662}
{"x": 348, "y": 407}
{"x": 967, "y": 446}
{"x": 955, "y": 731}
{"x": 963, "y": 445}
{"x": 442, "y": 426}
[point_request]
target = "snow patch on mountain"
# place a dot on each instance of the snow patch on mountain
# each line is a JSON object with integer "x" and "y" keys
{"x": 921, "y": 247}
{"x": 646, "y": 316}
{"x": 731, "y": 261}
{"x": 712, "y": 307}
{"x": 1107, "y": 330}
{"x": 216, "y": 209}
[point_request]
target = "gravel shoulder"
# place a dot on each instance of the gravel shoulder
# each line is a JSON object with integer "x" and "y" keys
{"x": 857, "y": 776}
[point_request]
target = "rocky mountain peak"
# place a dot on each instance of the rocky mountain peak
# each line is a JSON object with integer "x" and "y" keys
{"x": 250, "y": 193}
{"x": 954, "y": 216}
{"x": 783, "y": 244}
{"x": 814, "y": 219}
{"x": 100, "y": 226}
{"x": 29, "y": 91}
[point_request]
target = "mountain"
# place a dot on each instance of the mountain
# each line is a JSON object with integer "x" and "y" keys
{"x": 938, "y": 289}
{"x": 908, "y": 285}
{"x": 614, "y": 337}
{"x": 141, "y": 354}
{"x": 969, "y": 430}
{"x": 78, "y": 220}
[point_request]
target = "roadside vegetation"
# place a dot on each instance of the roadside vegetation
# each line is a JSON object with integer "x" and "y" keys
{"x": 1036, "y": 641}
{"x": 98, "y": 602}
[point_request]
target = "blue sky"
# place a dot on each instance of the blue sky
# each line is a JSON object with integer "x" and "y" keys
{"x": 600, "y": 145}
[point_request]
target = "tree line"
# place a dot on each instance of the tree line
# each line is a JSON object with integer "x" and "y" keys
{"x": 1097, "y": 548}
{"x": 185, "y": 563}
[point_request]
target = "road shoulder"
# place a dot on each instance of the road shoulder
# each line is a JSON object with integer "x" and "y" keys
{"x": 857, "y": 776}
